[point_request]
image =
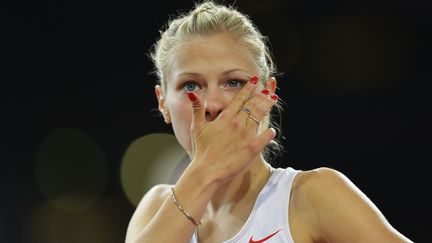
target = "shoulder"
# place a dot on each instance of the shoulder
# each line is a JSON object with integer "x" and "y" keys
{"x": 147, "y": 208}
{"x": 320, "y": 175}
{"x": 314, "y": 194}
{"x": 325, "y": 188}
{"x": 318, "y": 182}
{"x": 309, "y": 190}
{"x": 153, "y": 199}
{"x": 156, "y": 193}
{"x": 336, "y": 209}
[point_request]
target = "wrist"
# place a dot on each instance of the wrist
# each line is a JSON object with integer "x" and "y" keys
{"x": 200, "y": 178}
{"x": 192, "y": 193}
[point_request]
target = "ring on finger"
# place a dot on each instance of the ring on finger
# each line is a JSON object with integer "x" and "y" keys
{"x": 247, "y": 110}
{"x": 254, "y": 119}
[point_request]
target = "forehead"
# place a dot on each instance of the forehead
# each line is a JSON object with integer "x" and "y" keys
{"x": 211, "y": 54}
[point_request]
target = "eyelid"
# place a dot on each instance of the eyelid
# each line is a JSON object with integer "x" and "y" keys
{"x": 238, "y": 85}
{"x": 241, "y": 81}
{"x": 181, "y": 84}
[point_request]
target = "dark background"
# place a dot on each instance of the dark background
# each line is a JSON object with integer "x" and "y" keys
{"x": 354, "y": 80}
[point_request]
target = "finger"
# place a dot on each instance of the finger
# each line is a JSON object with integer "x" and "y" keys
{"x": 264, "y": 138}
{"x": 257, "y": 107}
{"x": 198, "y": 113}
{"x": 242, "y": 96}
{"x": 264, "y": 104}
{"x": 245, "y": 114}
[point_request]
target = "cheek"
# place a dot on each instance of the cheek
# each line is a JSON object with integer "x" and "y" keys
{"x": 229, "y": 95}
{"x": 181, "y": 117}
{"x": 180, "y": 110}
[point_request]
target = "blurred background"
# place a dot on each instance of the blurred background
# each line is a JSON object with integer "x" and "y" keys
{"x": 81, "y": 140}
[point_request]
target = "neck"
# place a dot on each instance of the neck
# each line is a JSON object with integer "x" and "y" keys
{"x": 243, "y": 188}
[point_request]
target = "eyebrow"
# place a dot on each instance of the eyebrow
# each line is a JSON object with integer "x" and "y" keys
{"x": 224, "y": 73}
{"x": 234, "y": 70}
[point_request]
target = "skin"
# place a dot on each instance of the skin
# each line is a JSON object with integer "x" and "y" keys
{"x": 227, "y": 171}
{"x": 191, "y": 63}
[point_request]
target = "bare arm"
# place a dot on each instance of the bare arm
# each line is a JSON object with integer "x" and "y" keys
{"x": 157, "y": 218}
{"x": 223, "y": 148}
{"x": 345, "y": 214}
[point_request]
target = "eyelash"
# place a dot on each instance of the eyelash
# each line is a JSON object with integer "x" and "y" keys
{"x": 239, "y": 83}
{"x": 183, "y": 86}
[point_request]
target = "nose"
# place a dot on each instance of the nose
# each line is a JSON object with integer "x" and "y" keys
{"x": 214, "y": 103}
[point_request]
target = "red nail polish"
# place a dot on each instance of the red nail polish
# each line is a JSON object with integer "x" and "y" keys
{"x": 275, "y": 97}
{"x": 265, "y": 91}
{"x": 191, "y": 96}
{"x": 254, "y": 80}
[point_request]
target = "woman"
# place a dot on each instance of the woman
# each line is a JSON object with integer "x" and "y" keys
{"x": 217, "y": 92}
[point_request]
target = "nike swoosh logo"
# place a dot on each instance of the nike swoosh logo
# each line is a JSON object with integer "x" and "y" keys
{"x": 263, "y": 239}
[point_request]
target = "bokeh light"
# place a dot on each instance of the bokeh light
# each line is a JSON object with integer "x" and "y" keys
{"x": 71, "y": 169}
{"x": 102, "y": 223}
{"x": 149, "y": 160}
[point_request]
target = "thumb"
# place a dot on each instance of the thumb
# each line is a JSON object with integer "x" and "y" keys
{"x": 198, "y": 112}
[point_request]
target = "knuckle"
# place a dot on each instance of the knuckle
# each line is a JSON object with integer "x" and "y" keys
{"x": 242, "y": 98}
{"x": 253, "y": 148}
{"x": 252, "y": 103}
{"x": 261, "y": 110}
{"x": 236, "y": 123}
{"x": 196, "y": 109}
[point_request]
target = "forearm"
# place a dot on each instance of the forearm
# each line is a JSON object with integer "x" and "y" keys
{"x": 193, "y": 192}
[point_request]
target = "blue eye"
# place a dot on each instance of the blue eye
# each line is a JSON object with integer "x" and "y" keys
{"x": 190, "y": 87}
{"x": 235, "y": 83}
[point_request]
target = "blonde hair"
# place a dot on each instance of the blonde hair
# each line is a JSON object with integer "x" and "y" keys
{"x": 210, "y": 18}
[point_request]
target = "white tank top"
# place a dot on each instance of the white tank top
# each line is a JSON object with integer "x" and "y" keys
{"x": 268, "y": 221}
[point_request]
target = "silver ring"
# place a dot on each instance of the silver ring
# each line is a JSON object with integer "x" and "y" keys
{"x": 254, "y": 118}
{"x": 245, "y": 109}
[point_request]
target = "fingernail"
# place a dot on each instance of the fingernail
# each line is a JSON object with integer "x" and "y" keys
{"x": 274, "y": 97}
{"x": 265, "y": 91}
{"x": 254, "y": 80}
{"x": 192, "y": 97}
